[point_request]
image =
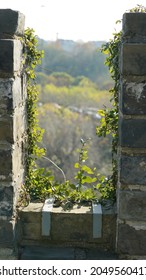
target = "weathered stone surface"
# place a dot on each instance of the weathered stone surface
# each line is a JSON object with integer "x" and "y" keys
{"x": 47, "y": 253}
{"x": 132, "y": 205}
{"x": 6, "y": 96}
{"x": 6, "y": 209}
{"x": 31, "y": 231}
{"x": 6, "y": 129}
{"x": 12, "y": 95}
{"x": 76, "y": 225}
{"x": 32, "y": 213}
{"x": 6, "y": 87}
{"x": 12, "y": 119}
{"x": 132, "y": 133}
{"x": 10, "y": 57}
{"x": 11, "y": 23}
{"x": 19, "y": 124}
{"x": 7, "y": 254}
{"x": 30, "y": 221}
{"x": 132, "y": 170}
{"x": 131, "y": 241}
{"x": 133, "y": 98}
{"x": 134, "y": 26}
{"x": 133, "y": 60}
{"x": 5, "y": 165}
{"x": 6, "y": 233}
{"x": 35, "y": 252}
{"x": 6, "y": 201}
{"x": 18, "y": 165}
{"x": 67, "y": 227}
{"x": 109, "y": 230}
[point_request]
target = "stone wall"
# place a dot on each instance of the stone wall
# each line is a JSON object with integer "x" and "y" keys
{"x": 12, "y": 120}
{"x": 87, "y": 228}
{"x": 131, "y": 194}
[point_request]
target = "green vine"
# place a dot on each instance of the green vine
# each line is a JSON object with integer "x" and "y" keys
{"x": 109, "y": 120}
{"x": 32, "y": 57}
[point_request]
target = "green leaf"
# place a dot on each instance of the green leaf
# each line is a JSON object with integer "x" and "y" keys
{"x": 89, "y": 180}
{"x": 101, "y": 113}
{"x": 87, "y": 169}
{"x": 77, "y": 165}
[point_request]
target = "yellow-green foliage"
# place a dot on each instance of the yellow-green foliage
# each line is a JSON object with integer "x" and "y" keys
{"x": 75, "y": 95}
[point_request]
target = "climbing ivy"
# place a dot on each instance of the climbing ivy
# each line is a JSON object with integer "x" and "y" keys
{"x": 32, "y": 57}
{"x": 109, "y": 120}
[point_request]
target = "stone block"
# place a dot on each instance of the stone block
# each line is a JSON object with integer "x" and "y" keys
{"x": 109, "y": 229}
{"x": 6, "y": 129}
{"x": 30, "y": 222}
{"x": 18, "y": 165}
{"x": 11, "y": 95}
{"x": 32, "y": 213}
{"x": 6, "y": 233}
{"x": 132, "y": 205}
{"x": 11, "y": 23}
{"x": 47, "y": 253}
{"x": 7, "y": 254}
{"x": 67, "y": 228}
{"x": 19, "y": 123}
{"x": 31, "y": 231}
{"x": 6, "y": 201}
{"x": 6, "y": 102}
{"x": 130, "y": 240}
{"x": 5, "y": 165}
{"x": 19, "y": 92}
{"x": 132, "y": 133}
{"x": 133, "y": 61}
{"x": 133, "y": 98}
{"x": 6, "y": 209}
{"x": 10, "y": 57}
{"x": 134, "y": 26}
{"x": 5, "y": 106}
{"x": 132, "y": 170}
{"x": 73, "y": 226}
{"x": 6, "y": 86}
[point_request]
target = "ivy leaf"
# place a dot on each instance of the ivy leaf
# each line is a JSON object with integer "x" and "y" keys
{"x": 87, "y": 169}
{"x": 89, "y": 180}
{"x": 76, "y": 165}
{"x": 101, "y": 113}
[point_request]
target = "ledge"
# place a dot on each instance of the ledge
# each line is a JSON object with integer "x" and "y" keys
{"x": 83, "y": 226}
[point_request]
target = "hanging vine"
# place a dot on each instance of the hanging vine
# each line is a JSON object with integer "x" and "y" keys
{"x": 32, "y": 57}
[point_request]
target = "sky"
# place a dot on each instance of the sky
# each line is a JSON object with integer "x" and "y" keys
{"x": 78, "y": 20}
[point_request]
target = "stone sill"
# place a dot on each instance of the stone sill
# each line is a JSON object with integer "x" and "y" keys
{"x": 85, "y": 226}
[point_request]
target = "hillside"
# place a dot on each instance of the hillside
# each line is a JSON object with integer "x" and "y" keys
{"x": 75, "y": 59}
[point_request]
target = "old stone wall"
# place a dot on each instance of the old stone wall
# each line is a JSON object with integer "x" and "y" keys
{"x": 12, "y": 119}
{"x": 51, "y": 229}
{"x": 131, "y": 194}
